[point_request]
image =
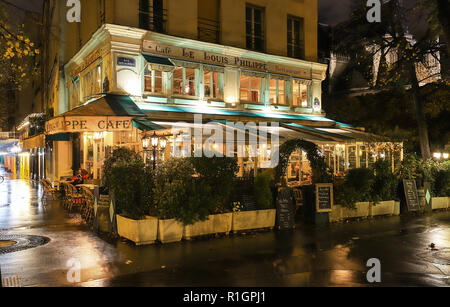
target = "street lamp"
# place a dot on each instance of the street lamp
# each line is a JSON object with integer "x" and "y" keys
{"x": 155, "y": 141}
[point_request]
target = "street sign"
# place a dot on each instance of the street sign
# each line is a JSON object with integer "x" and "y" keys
{"x": 286, "y": 209}
{"x": 324, "y": 197}
{"x": 412, "y": 198}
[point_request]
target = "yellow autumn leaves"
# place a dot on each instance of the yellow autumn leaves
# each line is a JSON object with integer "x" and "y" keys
{"x": 18, "y": 46}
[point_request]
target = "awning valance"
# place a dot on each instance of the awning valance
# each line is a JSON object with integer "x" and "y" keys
{"x": 59, "y": 137}
{"x": 146, "y": 125}
{"x": 158, "y": 63}
{"x": 34, "y": 142}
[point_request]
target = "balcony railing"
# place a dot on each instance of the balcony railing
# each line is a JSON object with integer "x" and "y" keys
{"x": 208, "y": 30}
{"x": 153, "y": 19}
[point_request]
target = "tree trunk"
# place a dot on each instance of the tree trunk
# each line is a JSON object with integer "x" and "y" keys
{"x": 443, "y": 7}
{"x": 421, "y": 120}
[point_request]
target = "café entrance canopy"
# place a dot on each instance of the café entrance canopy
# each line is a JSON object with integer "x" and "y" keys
{"x": 106, "y": 113}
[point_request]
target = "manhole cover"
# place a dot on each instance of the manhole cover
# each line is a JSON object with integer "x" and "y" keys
{"x": 20, "y": 243}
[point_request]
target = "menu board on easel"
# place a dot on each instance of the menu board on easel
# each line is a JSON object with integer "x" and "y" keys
{"x": 285, "y": 209}
{"x": 324, "y": 197}
{"x": 412, "y": 198}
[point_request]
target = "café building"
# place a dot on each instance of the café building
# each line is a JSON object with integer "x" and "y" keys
{"x": 128, "y": 85}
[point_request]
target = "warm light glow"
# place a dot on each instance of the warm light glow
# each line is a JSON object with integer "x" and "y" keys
{"x": 133, "y": 88}
{"x": 445, "y": 155}
{"x": 304, "y": 103}
{"x": 155, "y": 140}
{"x": 437, "y": 155}
{"x": 145, "y": 143}
{"x": 163, "y": 143}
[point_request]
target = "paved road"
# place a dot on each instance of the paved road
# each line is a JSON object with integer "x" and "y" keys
{"x": 333, "y": 255}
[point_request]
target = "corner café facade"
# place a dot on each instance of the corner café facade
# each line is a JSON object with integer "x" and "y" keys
{"x": 126, "y": 83}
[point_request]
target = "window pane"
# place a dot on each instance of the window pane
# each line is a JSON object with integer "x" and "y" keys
{"x": 273, "y": 91}
{"x": 178, "y": 81}
{"x": 190, "y": 82}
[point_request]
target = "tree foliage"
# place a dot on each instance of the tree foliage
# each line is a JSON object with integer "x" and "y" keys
{"x": 17, "y": 53}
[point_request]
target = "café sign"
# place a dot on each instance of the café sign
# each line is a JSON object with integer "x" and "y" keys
{"x": 75, "y": 124}
{"x": 187, "y": 54}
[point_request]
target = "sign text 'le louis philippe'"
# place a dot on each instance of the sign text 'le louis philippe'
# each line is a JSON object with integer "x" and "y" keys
{"x": 219, "y": 59}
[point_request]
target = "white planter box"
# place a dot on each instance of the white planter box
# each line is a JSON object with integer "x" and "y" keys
{"x": 217, "y": 223}
{"x": 382, "y": 208}
{"x": 139, "y": 231}
{"x": 170, "y": 231}
{"x": 362, "y": 210}
{"x": 439, "y": 203}
{"x": 257, "y": 219}
{"x": 397, "y": 208}
{"x": 336, "y": 214}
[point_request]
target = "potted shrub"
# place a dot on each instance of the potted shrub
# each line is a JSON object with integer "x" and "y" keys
{"x": 384, "y": 190}
{"x": 128, "y": 182}
{"x": 217, "y": 175}
{"x": 180, "y": 198}
{"x": 354, "y": 193}
{"x": 265, "y": 216}
{"x": 441, "y": 187}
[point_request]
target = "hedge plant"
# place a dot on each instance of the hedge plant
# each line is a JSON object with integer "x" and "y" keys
{"x": 262, "y": 190}
{"x": 179, "y": 195}
{"x": 219, "y": 174}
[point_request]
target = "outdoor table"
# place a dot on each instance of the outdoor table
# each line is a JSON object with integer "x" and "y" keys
{"x": 89, "y": 186}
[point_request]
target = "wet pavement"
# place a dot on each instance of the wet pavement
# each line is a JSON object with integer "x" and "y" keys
{"x": 332, "y": 255}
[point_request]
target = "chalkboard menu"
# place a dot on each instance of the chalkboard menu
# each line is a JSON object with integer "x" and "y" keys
{"x": 285, "y": 209}
{"x": 324, "y": 197}
{"x": 412, "y": 198}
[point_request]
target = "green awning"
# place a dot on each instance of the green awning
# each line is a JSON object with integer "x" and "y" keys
{"x": 123, "y": 105}
{"x": 146, "y": 125}
{"x": 59, "y": 137}
{"x": 108, "y": 105}
{"x": 157, "y": 60}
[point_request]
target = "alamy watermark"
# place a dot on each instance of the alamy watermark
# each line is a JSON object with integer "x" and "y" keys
{"x": 227, "y": 139}
{"x": 74, "y": 13}
{"x": 374, "y": 13}
{"x": 374, "y": 274}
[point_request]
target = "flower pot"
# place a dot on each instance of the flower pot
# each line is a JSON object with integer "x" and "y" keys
{"x": 362, "y": 210}
{"x": 382, "y": 208}
{"x": 141, "y": 232}
{"x": 170, "y": 231}
{"x": 247, "y": 220}
{"x": 440, "y": 203}
{"x": 217, "y": 223}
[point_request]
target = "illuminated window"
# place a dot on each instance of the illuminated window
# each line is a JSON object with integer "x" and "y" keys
{"x": 184, "y": 81}
{"x": 277, "y": 91}
{"x": 153, "y": 81}
{"x": 300, "y": 95}
{"x": 212, "y": 82}
{"x": 74, "y": 94}
{"x": 250, "y": 88}
{"x": 92, "y": 83}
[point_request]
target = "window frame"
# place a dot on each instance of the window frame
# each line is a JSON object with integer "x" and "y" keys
{"x": 250, "y": 88}
{"x": 186, "y": 82}
{"x": 295, "y": 41}
{"x": 252, "y": 37}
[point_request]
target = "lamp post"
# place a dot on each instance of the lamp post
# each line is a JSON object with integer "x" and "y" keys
{"x": 155, "y": 141}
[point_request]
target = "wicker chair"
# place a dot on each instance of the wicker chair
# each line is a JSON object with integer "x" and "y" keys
{"x": 87, "y": 211}
{"x": 72, "y": 197}
{"x": 49, "y": 192}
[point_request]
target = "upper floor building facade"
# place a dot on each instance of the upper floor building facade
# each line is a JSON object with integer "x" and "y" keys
{"x": 282, "y": 33}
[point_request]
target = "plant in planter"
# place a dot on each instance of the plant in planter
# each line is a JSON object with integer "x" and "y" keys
{"x": 385, "y": 183}
{"x": 180, "y": 198}
{"x": 119, "y": 155}
{"x": 130, "y": 184}
{"x": 218, "y": 173}
{"x": 262, "y": 190}
{"x": 356, "y": 187}
{"x": 442, "y": 180}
